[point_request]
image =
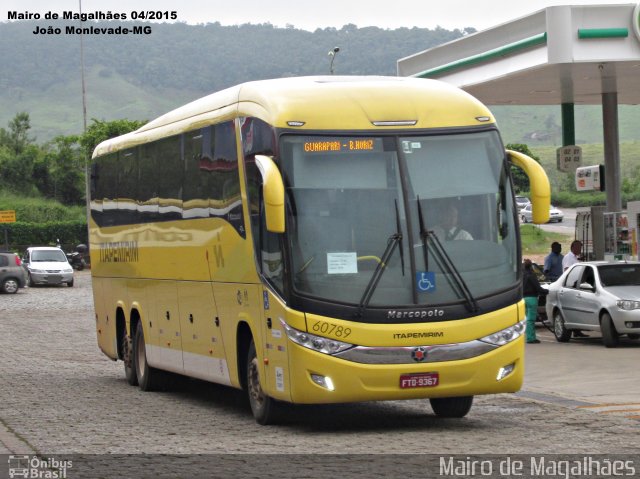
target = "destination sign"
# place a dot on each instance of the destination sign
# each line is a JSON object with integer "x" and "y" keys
{"x": 336, "y": 145}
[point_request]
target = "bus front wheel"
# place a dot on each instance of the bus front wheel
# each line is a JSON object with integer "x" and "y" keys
{"x": 451, "y": 407}
{"x": 265, "y": 409}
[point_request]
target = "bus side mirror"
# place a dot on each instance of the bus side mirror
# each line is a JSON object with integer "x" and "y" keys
{"x": 539, "y": 183}
{"x": 272, "y": 192}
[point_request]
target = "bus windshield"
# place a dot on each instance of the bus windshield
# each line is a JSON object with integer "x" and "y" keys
{"x": 429, "y": 217}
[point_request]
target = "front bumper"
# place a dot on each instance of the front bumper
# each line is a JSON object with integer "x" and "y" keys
{"x": 626, "y": 322}
{"x": 354, "y": 382}
{"x": 50, "y": 277}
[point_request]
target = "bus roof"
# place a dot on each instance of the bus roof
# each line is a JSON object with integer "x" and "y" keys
{"x": 321, "y": 103}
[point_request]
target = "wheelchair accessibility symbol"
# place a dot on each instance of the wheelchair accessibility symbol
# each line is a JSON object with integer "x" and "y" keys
{"x": 426, "y": 281}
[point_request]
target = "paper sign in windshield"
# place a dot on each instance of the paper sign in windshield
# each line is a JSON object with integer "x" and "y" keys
{"x": 342, "y": 263}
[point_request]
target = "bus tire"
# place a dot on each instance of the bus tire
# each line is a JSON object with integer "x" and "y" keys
{"x": 451, "y": 407}
{"x": 265, "y": 409}
{"x": 127, "y": 359}
{"x": 149, "y": 378}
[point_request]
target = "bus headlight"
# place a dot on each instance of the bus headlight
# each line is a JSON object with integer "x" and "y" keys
{"x": 315, "y": 343}
{"x": 506, "y": 335}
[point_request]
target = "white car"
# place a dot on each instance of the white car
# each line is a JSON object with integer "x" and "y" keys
{"x": 596, "y": 296}
{"x": 47, "y": 265}
{"x": 521, "y": 202}
{"x": 555, "y": 215}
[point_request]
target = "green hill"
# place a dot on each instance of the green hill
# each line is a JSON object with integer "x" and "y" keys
{"x": 140, "y": 77}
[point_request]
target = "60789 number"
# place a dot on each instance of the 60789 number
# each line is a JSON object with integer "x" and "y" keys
{"x": 331, "y": 329}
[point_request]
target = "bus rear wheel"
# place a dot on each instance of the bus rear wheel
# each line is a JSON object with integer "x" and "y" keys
{"x": 264, "y": 408}
{"x": 451, "y": 407}
{"x": 127, "y": 359}
{"x": 149, "y": 378}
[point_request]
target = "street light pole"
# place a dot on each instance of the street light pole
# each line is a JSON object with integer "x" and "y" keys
{"x": 332, "y": 54}
{"x": 84, "y": 119}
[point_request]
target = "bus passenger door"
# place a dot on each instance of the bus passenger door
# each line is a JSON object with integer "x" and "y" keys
{"x": 239, "y": 303}
{"x": 202, "y": 347}
{"x": 276, "y": 355}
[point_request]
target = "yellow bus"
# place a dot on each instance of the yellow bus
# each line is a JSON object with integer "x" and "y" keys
{"x": 315, "y": 240}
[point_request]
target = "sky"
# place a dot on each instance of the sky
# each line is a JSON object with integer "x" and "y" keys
{"x": 312, "y": 14}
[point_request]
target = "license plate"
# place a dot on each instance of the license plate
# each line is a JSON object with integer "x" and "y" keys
{"x": 420, "y": 380}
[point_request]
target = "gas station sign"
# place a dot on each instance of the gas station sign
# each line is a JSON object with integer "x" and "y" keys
{"x": 590, "y": 178}
{"x": 568, "y": 158}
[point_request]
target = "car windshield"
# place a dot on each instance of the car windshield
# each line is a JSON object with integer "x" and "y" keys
{"x": 350, "y": 228}
{"x": 48, "y": 255}
{"x": 619, "y": 275}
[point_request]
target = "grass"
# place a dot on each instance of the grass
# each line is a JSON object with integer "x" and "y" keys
{"x": 536, "y": 241}
{"x": 40, "y": 210}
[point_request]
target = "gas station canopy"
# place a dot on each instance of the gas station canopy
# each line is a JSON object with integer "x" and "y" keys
{"x": 566, "y": 55}
{"x": 562, "y": 54}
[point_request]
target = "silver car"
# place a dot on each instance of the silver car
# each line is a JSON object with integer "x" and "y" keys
{"x": 47, "y": 265}
{"x": 596, "y": 296}
{"x": 522, "y": 201}
{"x": 555, "y": 215}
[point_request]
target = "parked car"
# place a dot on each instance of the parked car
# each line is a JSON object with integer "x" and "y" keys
{"x": 12, "y": 276}
{"x": 47, "y": 265}
{"x": 522, "y": 201}
{"x": 596, "y": 296}
{"x": 555, "y": 215}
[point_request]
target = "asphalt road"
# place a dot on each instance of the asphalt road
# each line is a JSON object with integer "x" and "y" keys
{"x": 59, "y": 395}
{"x": 568, "y": 224}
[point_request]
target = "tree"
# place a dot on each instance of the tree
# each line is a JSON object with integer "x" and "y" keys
{"x": 17, "y": 138}
{"x": 100, "y": 131}
{"x": 65, "y": 170}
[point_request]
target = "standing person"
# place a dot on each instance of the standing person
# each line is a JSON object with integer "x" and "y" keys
{"x": 572, "y": 257}
{"x": 531, "y": 289}
{"x": 553, "y": 263}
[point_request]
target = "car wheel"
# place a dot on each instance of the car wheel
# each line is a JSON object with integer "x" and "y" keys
{"x": 610, "y": 336}
{"x": 10, "y": 285}
{"x": 561, "y": 333}
{"x": 29, "y": 282}
{"x": 265, "y": 409}
{"x": 149, "y": 378}
{"x": 70, "y": 283}
{"x": 523, "y": 218}
{"x": 451, "y": 407}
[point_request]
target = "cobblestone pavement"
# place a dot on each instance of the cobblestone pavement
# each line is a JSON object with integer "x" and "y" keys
{"x": 60, "y": 395}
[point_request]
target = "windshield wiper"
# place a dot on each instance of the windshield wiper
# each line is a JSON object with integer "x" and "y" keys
{"x": 444, "y": 262}
{"x": 392, "y": 242}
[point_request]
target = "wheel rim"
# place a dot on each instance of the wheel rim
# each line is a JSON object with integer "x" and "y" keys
{"x": 127, "y": 355}
{"x": 255, "y": 391}
{"x": 141, "y": 358}
{"x": 11, "y": 286}
{"x": 558, "y": 326}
